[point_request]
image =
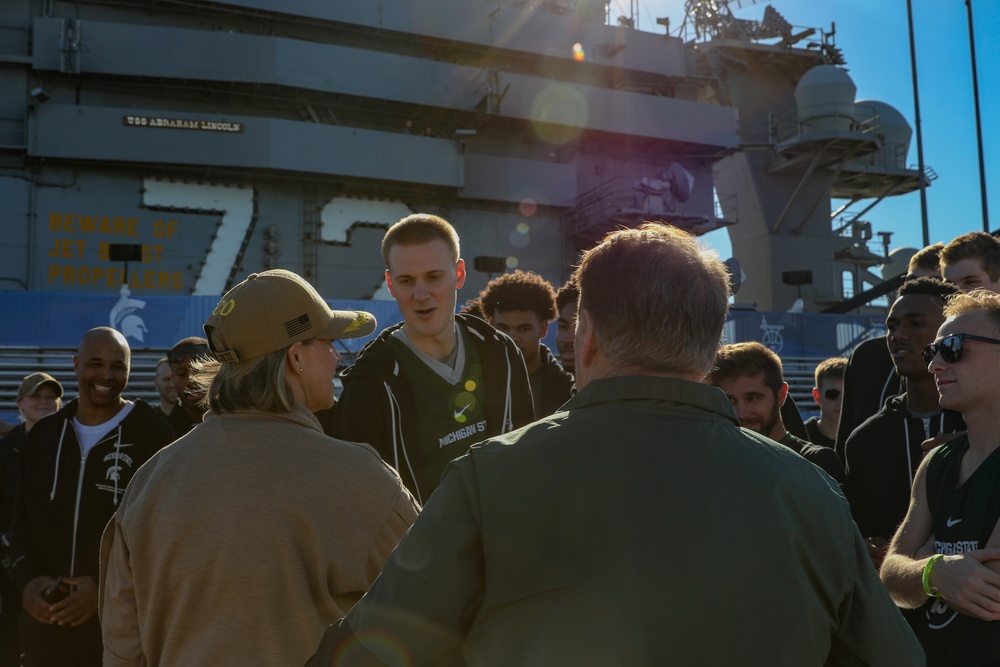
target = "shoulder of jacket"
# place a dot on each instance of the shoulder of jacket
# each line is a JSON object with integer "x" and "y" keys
{"x": 375, "y": 361}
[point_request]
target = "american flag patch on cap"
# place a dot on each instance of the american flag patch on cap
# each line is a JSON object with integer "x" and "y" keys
{"x": 297, "y": 326}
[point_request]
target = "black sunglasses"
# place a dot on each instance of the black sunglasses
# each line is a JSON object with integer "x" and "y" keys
{"x": 179, "y": 354}
{"x": 950, "y": 347}
{"x": 832, "y": 394}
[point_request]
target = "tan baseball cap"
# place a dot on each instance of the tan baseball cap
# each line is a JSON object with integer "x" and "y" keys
{"x": 32, "y": 383}
{"x": 271, "y": 310}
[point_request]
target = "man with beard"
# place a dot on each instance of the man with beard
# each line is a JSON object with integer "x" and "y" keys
{"x": 752, "y": 378}
{"x": 884, "y": 452}
{"x": 75, "y": 466}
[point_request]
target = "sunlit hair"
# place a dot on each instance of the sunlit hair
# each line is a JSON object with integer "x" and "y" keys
{"x": 927, "y": 258}
{"x": 255, "y": 384}
{"x": 751, "y": 359}
{"x": 977, "y": 300}
{"x": 418, "y": 229}
{"x": 656, "y": 298}
{"x": 567, "y": 294}
{"x": 472, "y": 307}
{"x": 830, "y": 369}
{"x": 929, "y": 285}
{"x": 521, "y": 290}
{"x": 974, "y": 245}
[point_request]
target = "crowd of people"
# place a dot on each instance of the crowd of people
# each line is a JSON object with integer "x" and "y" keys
{"x": 644, "y": 495}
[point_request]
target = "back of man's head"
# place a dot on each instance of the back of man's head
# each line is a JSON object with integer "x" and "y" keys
{"x": 418, "y": 229}
{"x": 974, "y": 245}
{"x": 926, "y": 261}
{"x": 656, "y": 299}
{"x": 520, "y": 290}
{"x": 748, "y": 360}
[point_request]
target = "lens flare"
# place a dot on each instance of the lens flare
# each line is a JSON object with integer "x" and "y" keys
{"x": 559, "y": 113}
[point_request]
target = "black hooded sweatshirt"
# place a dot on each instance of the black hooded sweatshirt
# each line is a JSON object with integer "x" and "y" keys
{"x": 65, "y": 501}
{"x": 882, "y": 456}
{"x": 378, "y": 406}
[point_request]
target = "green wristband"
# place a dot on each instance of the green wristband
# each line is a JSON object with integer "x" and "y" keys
{"x": 926, "y": 577}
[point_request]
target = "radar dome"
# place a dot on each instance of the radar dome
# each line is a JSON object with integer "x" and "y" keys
{"x": 825, "y": 99}
{"x": 894, "y": 132}
{"x": 898, "y": 262}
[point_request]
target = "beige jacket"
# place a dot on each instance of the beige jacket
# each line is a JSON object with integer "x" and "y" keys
{"x": 240, "y": 542}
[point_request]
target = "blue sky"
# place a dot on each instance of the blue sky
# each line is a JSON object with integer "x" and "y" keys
{"x": 874, "y": 38}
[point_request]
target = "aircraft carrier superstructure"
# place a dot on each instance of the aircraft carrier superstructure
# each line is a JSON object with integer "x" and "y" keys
{"x": 231, "y": 136}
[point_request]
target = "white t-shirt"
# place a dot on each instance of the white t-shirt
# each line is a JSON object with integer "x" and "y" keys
{"x": 88, "y": 436}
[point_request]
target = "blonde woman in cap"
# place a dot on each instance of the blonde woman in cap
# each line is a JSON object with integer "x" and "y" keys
{"x": 39, "y": 395}
{"x": 240, "y": 542}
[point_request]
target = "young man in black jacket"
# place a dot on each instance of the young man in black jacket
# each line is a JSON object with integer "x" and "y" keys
{"x": 883, "y": 453}
{"x": 75, "y": 466}
{"x": 425, "y": 390}
{"x": 522, "y": 304}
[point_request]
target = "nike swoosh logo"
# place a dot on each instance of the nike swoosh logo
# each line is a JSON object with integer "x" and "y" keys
{"x": 951, "y": 522}
{"x": 459, "y": 413}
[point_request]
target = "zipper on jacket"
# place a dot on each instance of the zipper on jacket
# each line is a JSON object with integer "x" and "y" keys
{"x": 76, "y": 509}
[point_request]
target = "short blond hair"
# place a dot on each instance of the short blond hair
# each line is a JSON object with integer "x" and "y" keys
{"x": 983, "y": 300}
{"x": 418, "y": 229}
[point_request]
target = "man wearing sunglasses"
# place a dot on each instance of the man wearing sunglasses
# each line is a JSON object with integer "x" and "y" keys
{"x": 944, "y": 557}
{"x": 188, "y": 410}
{"x": 883, "y": 453}
{"x": 828, "y": 394}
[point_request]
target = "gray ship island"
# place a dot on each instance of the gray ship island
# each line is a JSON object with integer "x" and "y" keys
{"x": 215, "y": 139}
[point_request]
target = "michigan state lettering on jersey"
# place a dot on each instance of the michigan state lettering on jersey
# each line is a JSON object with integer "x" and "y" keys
{"x": 952, "y": 548}
{"x": 452, "y": 415}
{"x": 462, "y": 434}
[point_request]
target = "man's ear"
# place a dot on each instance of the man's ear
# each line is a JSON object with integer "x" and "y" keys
{"x": 782, "y": 394}
{"x": 585, "y": 342}
{"x": 388, "y": 283}
{"x": 460, "y": 274}
{"x": 545, "y": 328}
{"x": 816, "y": 395}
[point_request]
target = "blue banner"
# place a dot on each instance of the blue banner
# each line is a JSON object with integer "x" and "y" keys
{"x": 58, "y": 319}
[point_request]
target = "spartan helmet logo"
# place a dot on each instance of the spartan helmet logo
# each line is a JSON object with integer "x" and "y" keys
{"x": 125, "y": 318}
{"x": 113, "y": 474}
